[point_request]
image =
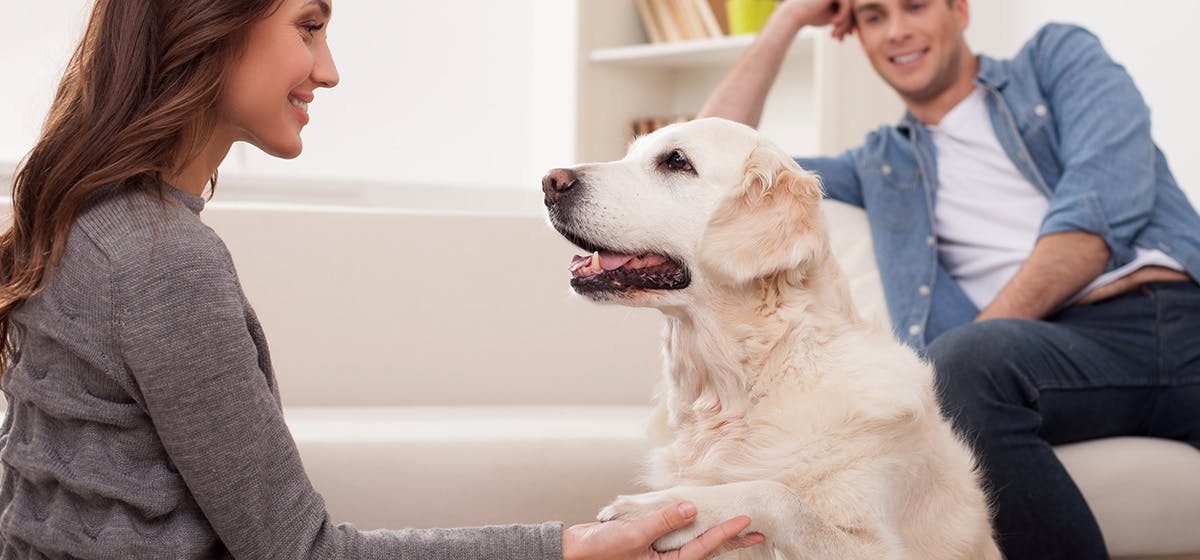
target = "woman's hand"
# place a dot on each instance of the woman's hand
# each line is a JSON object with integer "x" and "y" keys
{"x": 630, "y": 540}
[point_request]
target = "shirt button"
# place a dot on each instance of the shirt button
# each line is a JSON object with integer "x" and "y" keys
{"x": 923, "y": 290}
{"x": 886, "y": 169}
{"x": 1040, "y": 110}
{"x": 931, "y": 241}
{"x": 914, "y": 330}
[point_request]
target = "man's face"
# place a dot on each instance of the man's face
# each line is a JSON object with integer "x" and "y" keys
{"x": 917, "y": 46}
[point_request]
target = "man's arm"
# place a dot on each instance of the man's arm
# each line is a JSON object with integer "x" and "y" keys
{"x": 1105, "y": 195}
{"x": 1060, "y": 265}
{"x": 743, "y": 93}
{"x": 839, "y": 176}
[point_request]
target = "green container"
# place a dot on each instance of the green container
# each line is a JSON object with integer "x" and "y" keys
{"x": 748, "y": 16}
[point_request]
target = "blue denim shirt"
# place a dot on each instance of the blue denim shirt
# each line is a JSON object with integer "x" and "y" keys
{"x": 1076, "y": 127}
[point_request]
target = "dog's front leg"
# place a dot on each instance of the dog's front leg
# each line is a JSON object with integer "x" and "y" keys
{"x": 714, "y": 505}
{"x": 793, "y": 528}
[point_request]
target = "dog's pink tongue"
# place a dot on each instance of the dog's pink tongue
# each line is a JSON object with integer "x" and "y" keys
{"x": 613, "y": 261}
{"x": 579, "y": 261}
{"x": 598, "y": 262}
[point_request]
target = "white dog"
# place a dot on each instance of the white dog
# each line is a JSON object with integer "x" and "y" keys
{"x": 781, "y": 403}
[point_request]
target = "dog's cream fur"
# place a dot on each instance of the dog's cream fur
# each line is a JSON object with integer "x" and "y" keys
{"x": 781, "y": 403}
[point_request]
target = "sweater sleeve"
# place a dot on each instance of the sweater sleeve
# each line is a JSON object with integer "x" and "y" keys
{"x": 185, "y": 339}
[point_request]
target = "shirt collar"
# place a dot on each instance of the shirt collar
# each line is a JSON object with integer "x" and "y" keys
{"x": 992, "y": 75}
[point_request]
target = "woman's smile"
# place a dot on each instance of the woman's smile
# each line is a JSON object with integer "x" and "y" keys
{"x": 300, "y": 107}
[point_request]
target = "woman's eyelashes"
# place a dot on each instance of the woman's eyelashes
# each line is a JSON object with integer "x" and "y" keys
{"x": 311, "y": 28}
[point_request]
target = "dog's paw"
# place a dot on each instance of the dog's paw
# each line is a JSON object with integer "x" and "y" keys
{"x": 640, "y": 506}
{"x": 679, "y": 537}
{"x": 636, "y": 506}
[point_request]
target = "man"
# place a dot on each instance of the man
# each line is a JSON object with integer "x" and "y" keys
{"x": 1031, "y": 240}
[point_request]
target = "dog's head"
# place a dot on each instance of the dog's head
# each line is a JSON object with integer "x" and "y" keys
{"x": 701, "y": 205}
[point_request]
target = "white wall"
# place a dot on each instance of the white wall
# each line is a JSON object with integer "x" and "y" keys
{"x": 1155, "y": 41}
{"x": 431, "y": 92}
{"x": 33, "y": 54}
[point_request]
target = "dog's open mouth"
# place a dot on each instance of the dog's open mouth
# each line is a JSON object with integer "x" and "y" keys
{"x": 605, "y": 270}
{"x": 610, "y": 271}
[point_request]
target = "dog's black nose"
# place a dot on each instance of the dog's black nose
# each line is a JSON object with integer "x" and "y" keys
{"x": 557, "y": 182}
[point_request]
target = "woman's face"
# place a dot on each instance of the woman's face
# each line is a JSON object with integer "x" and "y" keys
{"x": 287, "y": 58}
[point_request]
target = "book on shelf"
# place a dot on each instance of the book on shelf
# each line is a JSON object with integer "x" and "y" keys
{"x": 646, "y": 125}
{"x": 708, "y": 18}
{"x": 666, "y": 21}
{"x": 650, "y": 21}
{"x": 682, "y": 20}
{"x": 721, "y": 14}
{"x": 692, "y": 18}
{"x": 672, "y": 20}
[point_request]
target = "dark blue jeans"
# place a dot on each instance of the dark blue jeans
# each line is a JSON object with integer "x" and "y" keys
{"x": 1128, "y": 366}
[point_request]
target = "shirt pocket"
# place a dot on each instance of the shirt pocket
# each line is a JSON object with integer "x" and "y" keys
{"x": 890, "y": 194}
{"x": 1036, "y": 125}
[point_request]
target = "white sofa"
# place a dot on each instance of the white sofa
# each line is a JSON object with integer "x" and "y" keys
{"x": 436, "y": 372}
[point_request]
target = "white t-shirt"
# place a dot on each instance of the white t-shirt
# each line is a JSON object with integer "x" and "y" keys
{"x": 987, "y": 215}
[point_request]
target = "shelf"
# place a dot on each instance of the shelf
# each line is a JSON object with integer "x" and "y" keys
{"x": 681, "y": 54}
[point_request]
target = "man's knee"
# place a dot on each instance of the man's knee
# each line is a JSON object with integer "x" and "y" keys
{"x": 982, "y": 363}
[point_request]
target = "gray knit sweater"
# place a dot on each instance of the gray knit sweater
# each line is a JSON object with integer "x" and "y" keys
{"x": 144, "y": 419}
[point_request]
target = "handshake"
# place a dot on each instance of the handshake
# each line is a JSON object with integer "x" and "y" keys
{"x": 618, "y": 537}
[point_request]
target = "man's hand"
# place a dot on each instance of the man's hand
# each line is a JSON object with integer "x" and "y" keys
{"x": 798, "y": 13}
{"x": 631, "y": 540}
{"x": 742, "y": 94}
{"x": 1060, "y": 265}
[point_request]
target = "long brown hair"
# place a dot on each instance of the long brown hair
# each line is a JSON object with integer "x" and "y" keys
{"x": 136, "y": 101}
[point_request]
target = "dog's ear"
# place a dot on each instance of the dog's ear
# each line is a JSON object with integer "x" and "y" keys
{"x": 767, "y": 224}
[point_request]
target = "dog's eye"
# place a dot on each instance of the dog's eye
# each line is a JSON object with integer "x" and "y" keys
{"x": 676, "y": 161}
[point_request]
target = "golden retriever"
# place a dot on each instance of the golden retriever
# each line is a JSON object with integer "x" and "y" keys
{"x": 781, "y": 402}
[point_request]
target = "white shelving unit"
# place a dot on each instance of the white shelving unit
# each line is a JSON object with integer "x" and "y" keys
{"x": 683, "y": 54}
{"x": 826, "y": 98}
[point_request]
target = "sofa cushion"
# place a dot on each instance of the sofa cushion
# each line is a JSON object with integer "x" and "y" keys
{"x": 452, "y": 466}
{"x": 421, "y": 467}
{"x": 1144, "y": 492}
{"x": 850, "y": 240}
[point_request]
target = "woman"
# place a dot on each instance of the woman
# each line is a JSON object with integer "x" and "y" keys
{"x": 143, "y": 414}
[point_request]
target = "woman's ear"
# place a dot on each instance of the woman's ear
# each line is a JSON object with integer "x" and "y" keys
{"x": 768, "y": 223}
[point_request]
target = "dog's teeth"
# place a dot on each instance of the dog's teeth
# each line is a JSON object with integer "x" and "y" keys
{"x": 595, "y": 262}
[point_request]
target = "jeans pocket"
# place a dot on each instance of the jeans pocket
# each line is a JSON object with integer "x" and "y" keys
{"x": 1179, "y": 329}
